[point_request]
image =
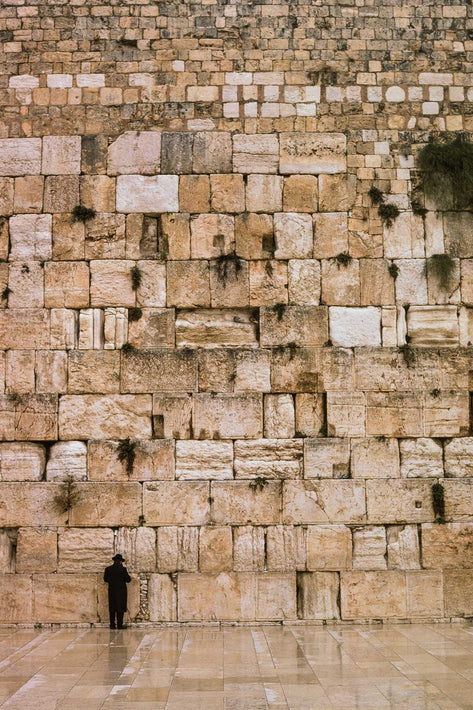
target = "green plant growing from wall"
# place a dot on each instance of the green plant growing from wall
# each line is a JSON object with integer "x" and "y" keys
{"x": 82, "y": 214}
{"x": 388, "y": 213}
{"x": 408, "y": 354}
{"x": 258, "y": 483}
{"x": 126, "y": 453}
{"x": 134, "y": 314}
{"x": 442, "y": 267}
{"x": 343, "y": 259}
{"x": 393, "y": 270}
{"x": 280, "y": 309}
{"x": 376, "y": 195}
{"x": 128, "y": 348}
{"x": 447, "y": 163}
{"x": 68, "y": 495}
{"x": 5, "y": 293}
{"x": 136, "y": 277}
{"x": 228, "y": 266}
{"x": 438, "y": 503}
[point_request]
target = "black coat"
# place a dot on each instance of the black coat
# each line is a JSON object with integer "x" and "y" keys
{"x": 117, "y": 577}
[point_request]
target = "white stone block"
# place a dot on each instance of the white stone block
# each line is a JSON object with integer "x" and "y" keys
{"x": 294, "y": 235}
{"x": 433, "y": 326}
{"x": 20, "y": 156}
{"x": 22, "y": 461}
{"x": 67, "y": 458}
{"x": 421, "y": 458}
{"x": 59, "y": 81}
{"x": 30, "y": 237}
{"x": 135, "y": 152}
{"x": 61, "y": 155}
{"x": 139, "y": 193}
{"x": 90, "y": 81}
{"x": 23, "y": 81}
{"x": 351, "y": 327}
{"x": 203, "y": 460}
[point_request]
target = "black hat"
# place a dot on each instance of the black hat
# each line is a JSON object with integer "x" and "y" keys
{"x": 118, "y": 558}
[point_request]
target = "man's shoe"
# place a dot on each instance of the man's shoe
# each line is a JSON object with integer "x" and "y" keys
{"x": 113, "y": 627}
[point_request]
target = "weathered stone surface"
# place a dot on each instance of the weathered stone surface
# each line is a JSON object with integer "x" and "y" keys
{"x": 194, "y": 193}
{"x": 268, "y": 283}
{"x": 229, "y": 284}
{"x": 141, "y": 193}
{"x": 98, "y": 193}
{"x": 159, "y": 371}
{"x": 67, "y": 458}
{"x": 22, "y": 462}
{"x": 390, "y": 369}
{"x": 135, "y": 152}
{"x": 212, "y": 152}
{"x": 293, "y": 234}
{"x": 425, "y": 596}
{"x": 106, "y": 505}
{"x": 20, "y": 156}
{"x": 447, "y": 546}
{"x": 258, "y": 153}
{"x": 93, "y": 371}
{"x": 236, "y": 503}
{"x": 286, "y": 548}
{"x": 176, "y": 153}
{"x": 421, "y": 458}
{"x": 341, "y": 286}
{"x": 459, "y": 458}
{"x": 212, "y": 236}
{"x": 295, "y": 369}
{"x": 176, "y": 503}
{"x": 446, "y": 414}
{"x": 61, "y": 193}
{"x": 319, "y": 592}
{"x": 346, "y": 414}
{"x": 373, "y": 595}
{"x": 65, "y": 597}
{"x": 326, "y": 458}
{"x": 268, "y": 458}
{"x": 279, "y": 416}
{"x": 162, "y": 598}
{"x": 113, "y": 416}
{"x": 369, "y": 547}
{"x": 138, "y": 546}
{"x": 337, "y": 193}
{"x": 66, "y": 285}
{"x": 26, "y": 283}
{"x": 8, "y": 539}
{"x": 172, "y": 416}
{"x": 330, "y": 234}
{"x": 399, "y": 501}
{"x": 154, "y": 460}
{"x": 19, "y": 371}
{"x": 215, "y": 549}
{"x": 248, "y": 548}
{"x": 84, "y": 550}
{"x": 254, "y": 235}
{"x": 68, "y": 238}
{"x": 155, "y": 329}
{"x": 329, "y": 547}
{"x": 310, "y": 415}
{"x": 458, "y": 592}
{"x": 188, "y": 284}
{"x": 275, "y": 596}
{"x": 7, "y": 190}
{"x": 216, "y": 370}
{"x": 323, "y": 502}
{"x": 16, "y": 598}
{"x": 304, "y": 282}
{"x": 28, "y": 195}
{"x": 350, "y": 327}
{"x": 264, "y": 193}
{"x": 36, "y": 550}
{"x": 28, "y": 417}
{"x": 312, "y": 153}
{"x": 110, "y": 283}
{"x": 61, "y": 155}
{"x": 458, "y": 226}
{"x": 29, "y": 504}
{"x": 302, "y": 325}
{"x": 202, "y": 460}
{"x": 152, "y": 289}
{"x": 403, "y": 547}
{"x": 431, "y": 326}
{"x": 300, "y": 193}
{"x": 228, "y": 417}
{"x": 175, "y": 234}
{"x": 227, "y": 193}
{"x": 394, "y": 414}
{"x": 225, "y": 596}
{"x": 178, "y": 549}
{"x": 105, "y": 236}
{"x": 376, "y": 283}
{"x": 30, "y": 237}
{"x": 374, "y": 458}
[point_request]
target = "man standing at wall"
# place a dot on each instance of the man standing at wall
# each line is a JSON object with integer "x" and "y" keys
{"x": 117, "y": 577}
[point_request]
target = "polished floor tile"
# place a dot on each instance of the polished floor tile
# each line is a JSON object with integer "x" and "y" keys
{"x": 404, "y": 667}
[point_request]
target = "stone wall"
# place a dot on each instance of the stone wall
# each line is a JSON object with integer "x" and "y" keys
{"x": 217, "y": 358}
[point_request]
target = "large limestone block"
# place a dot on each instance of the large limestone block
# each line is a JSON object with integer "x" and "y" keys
{"x": 374, "y": 458}
{"x": 228, "y": 193}
{"x": 26, "y": 282}
{"x": 394, "y": 414}
{"x": 295, "y": 369}
{"x": 337, "y": 193}
{"x": 174, "y": 233}
{"x": 459, "y": 458}
{"x": 369, "y": 547}
{"x": 105, "y": 236}
{"x": 373, "y": 595}
{"x": 176, "y": 503}
{"x": 330, "y": 234}
{"x": 425, "y": 594}
{"x": 458, "y": 226}
{"x": 194, "y": 193}
{"x": 411, "y": 282}
{"x": 67, "y": 458}
{"x": 61, "y": 194}
{"x": 268, "y": 458}
{"x": 212, "y": 236}
{"x": 332, "y": 501}
{"x": 341, "y": 284}
{"x": 310, "y": 414}
{"x": 268, "y": 282}
{"x": 176, "y": 153}
{"x": 36, "y": 550}
{"x": 249, "y": 548}
{"x": 300, "y": 193}
{"x": 275, "y": 596}
{"x": 106, "y": 505}
{"x": 138, "y": 547}
{"x": 110, "y": 283}
{"x": 211, "y": 597}
{"x": 135, "y": 152}
{"x": 403, "y": 547}
{"x": 229, "y": 285}
{"x": 236, "y": 503}
{"x": 312, "y": 153}
{"x": 65, "y": 598}
{"x": 458, "y": 499}
{"x": 68, "y": 238}
{"x": 16, "y": 599}
{"x": 389, "y": 369}
{"x": 28, "y": 417}
{"x": 177, "y": 549}
{"x": 84, "y": 550}
{"x": 446, "y": 414}
{"x": 22, "y": 462}
{"x": 228, "y": 417}
{"x": 20, "y": 156}
{"x": 447, "y": 546}
{"x": 352, "y": 327}
{"x": 61, "y": 155}
{"x": 286, "y": 548}
{"x": 30, "y": 504}
{"x": 152, "y": 291}
{"x": 30, "y": 237}
{"x": 114, "y": 416}
{"x": 19, "y": 371}
{"x": 301, "y": 325}
{"x": 399, "y": 501}
{"x": 93, "y": 371}
{"x": 162, "y": 598}
{"x": 264, "y": 193}
{"x": 202, "y": 460}
{"x": 159, "y": 371}
{"x": 212, "y": 152}
{"x": 421, "y": 458}
{"x": 279, "y": 416}
{"x": 376, "y": 283}
{"x": 254, "y": 237}
{"x": 432, "y": 326}
{"x": 66, "y": 284}
{"x": 329, "y": 547}
{"x": 346, "y": 414}
{"x": 318, "y": 595}
{"x": 188, "y": 284}
{"x": 7, "y": 189}
{"x": 98, "y": 192}
{"x": 141, "y": 193}
{"x": 155, "y": 329}
{"x": 154, "y": 460}
{"x": 172, "y": 415}
{"x": 255, "y": 153}
{"x": 294, "y": 235}
{"x": 215, "y": 549}
{"x": 210, "y": 328}
{"x": 458, "y": 592}
{"x": 133, "y": 588}
{"x": 326, "y": 458}
{"x": 304, "y": 282}
{"x": 8, "y": 541}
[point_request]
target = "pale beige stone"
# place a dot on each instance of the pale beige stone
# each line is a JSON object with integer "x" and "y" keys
{"x": 421, "y": 458}
{"x": 162, "y": 598}
{"x": 394, "y": 414}
{"x": 447, "y": 546}
{"x": 106, "y": 505}
{"x": 256, "y": 153}
{"x": 252, "y": 371}
{"x": 329, "y": 547}
{"x": 212, "y": 152}
{"x": 350, "y": 327}
{"x": 237, "y": 503}
{"x": 403, "y": 547}
{"x": 398, "y": 238}
{"x": 279, "y": 416}
{"x": 142, "y": 193}
{"x": 65, "y": 598}
{"x": 67, "y": 459}
{"x": 36, "y": 550}
{"x": 341, "y": 286}
{"x": 84, "y": 550}
{"x": 458, "y": 592}
{"x": 93, "y": 371}
{"x": 30, "y": 504}
{"x": 293, "y": 235}
{"x": 268, "y": 458}
{"x": 369, "y": 547}
{"x": 208, "y": 597}
{"x": 312, "y": 153}
{"x": 330, "y": 234}
{"x": 275, "y": 596}
{"x": 376, "y": 283}
{"x": 28, "y": 417}
{"x": 119, "y": 416}
{"x": 19, "y": 371}
{"x": 301, "y": 325}
{"x": 411, "y": 282}
{"x": 16, "y": 598}
{"x": 188, "y": 284}
{"x": 346, "y": 414}
{"x": 229, "y": 283}
{"x": 175, "y": 234}
{"x": 264, "y": 193}
{"x": 215, "y": 549}
{"x": 28, "y": 195}
{"x": 228, "y": 417}
{"x": 374, "y": 458}
{"x": 386, "y": 369}
{"x": 194, "y": 193}
{"x": 159, "y": 371}
{"x": 135, "y": 152}
{"x": 154, "y": 460}
{"x": 20, "y": 156}
{"x": 30, "y": 237}
{"x": 310, "y": 414}
{"x": 68, "y": 238}
{"x": 7, "y": 188}
{"x": 326, "y": 458}
{"x": 138, "y": 547}
{"x": 61, "y": 155}
{"x": 373, "y": 595}
{"x": 110, "y": 283}
{"x": 51, "y": 371}
{"x": 212, "y": 235}
{"x": 304, "y": 281}
{"x": 8, "y": 540}
{"x": 248, "y": 548}
{"x": 227, "y": 193}
{"x": 300, "y": 193}
{"x": 22, "y": 462}
{"x": 432, "y": 326}
{"x": 26, "y": 282}
{"x": 202, "y": 460}
{"x": 286, "y": 548}
{"x": 177, "y": 549}
{"x": 337, "y": 193}
{"x": 333, "y": 501}
{"x": 176, "y": 503}
{"x": 399, "y": 501}
{"x": 172, "y": 416}
{"x": 459, "y": 458}
{"x": 295, "y": 369}
{"x": 98, "y": 192}
{"x": 155, "y": 329}
{"x": 66, "y": 284}
{"x": 61, "y": 193}
{"x": 268, "y": 283}
{"x": 105, "y": 236}
{"x": 446, "y": 414}
{"x": 425, "y": 594}
{"x": 319, "y": 593}
{"x": 254, "y": 235}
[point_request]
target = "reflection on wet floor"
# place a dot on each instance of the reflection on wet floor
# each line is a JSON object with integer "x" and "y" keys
{"x": 409, "y": 667}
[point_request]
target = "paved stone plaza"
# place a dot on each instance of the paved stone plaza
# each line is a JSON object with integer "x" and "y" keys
{"x": 412, "y": 667}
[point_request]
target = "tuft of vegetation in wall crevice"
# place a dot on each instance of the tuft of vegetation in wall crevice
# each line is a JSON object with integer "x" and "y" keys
{"x": 446, "y": 161}
{"x": 126, "y": 453}
{"x": 82, "y": 214}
